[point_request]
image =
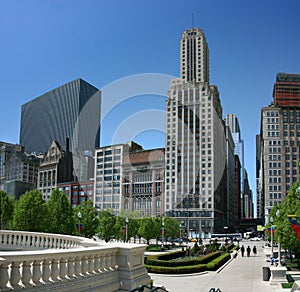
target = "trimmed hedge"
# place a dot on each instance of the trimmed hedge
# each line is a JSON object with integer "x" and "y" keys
{"x": 218, "y": 262}
{"x": 165, "y": 260}
{"x": 212, "y": 265}
{"x": 176, "y": 270}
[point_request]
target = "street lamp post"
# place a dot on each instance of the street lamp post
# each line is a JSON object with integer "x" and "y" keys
{"x": 126, "y": 229}
{"x": 79, "y": 215}
{"x": 162, "y": 230}
{"x": 272, "y": 220}
{"x": 279, "y": 246}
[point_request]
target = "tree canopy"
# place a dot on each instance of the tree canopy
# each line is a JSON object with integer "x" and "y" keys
{"x": 89, "y": 219}
{"x": 284, "y": 232}
{"x": 60, "y": 217}
{"x": 6, "y": 210}
{"x": 30, "y": 212}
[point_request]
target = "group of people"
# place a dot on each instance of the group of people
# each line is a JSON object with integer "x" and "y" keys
{"x": 248, "y": 250}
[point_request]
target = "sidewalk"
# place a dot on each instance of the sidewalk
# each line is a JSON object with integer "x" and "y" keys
{"x": 242, "y": 274}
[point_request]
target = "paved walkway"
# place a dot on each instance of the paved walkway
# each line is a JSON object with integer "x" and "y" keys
{"x": 242, "y": 274}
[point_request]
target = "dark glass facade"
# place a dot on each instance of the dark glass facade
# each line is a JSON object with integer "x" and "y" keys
{"x": 70, "y": 111}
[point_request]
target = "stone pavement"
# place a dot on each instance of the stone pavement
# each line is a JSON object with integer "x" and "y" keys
{"x": 241, "y": 274}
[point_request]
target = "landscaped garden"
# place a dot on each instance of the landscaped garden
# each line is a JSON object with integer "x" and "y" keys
{"x": 197, "y": 259}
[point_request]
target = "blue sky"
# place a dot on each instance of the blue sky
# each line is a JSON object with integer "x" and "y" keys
{"x": 45, "y": 44}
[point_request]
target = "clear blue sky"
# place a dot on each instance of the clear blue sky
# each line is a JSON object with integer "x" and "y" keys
{"x": 45, "y": 44}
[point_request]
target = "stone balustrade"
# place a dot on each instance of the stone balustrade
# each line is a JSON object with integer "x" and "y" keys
{"x": 38, "y": 240}
{"x": 68, "y": 263}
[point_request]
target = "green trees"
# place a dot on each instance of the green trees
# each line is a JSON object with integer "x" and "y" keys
{"x": 107, "y": 222}
{"x": 171, "y": 227}
{"x": 30, "y": 212}
{"x": 60, "y": 218}
{"x": 89, "y": 218}
{"x": 150, "y": 228}
{"x": 6, "y": 210}
{"x": 284, "y": 232}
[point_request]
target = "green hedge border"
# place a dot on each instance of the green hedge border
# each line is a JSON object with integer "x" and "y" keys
{"x": 165, "y": 260}
{"x": 163, "y": 263}
{"x": 216, "y": 262}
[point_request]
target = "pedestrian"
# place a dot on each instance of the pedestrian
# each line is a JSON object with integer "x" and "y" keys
{"x": 248, "y": 251}
{"x": 242, "y": 250}
{"x": 254, "y": 250}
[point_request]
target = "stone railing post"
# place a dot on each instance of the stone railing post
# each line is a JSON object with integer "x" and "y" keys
{"x": 54, "y": 270}
{"x": 77, "y": 268}
{"x": 4, "y": 277}
{"x": 46, "y": 272}
{"x": 15, "y": 275}
{"x": 26, "y": 273}
{"x": 71, "y": 268}
{"x": 63, "y": 269}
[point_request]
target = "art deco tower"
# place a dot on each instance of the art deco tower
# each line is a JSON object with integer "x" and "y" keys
{"x": 196, "y": 188}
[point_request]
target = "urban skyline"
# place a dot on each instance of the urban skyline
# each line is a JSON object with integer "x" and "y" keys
{"x": 246, "y": 55}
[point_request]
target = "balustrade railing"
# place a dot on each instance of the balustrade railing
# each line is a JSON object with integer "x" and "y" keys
{"x": 56, "y": 259}
{"x": 38, "y": 240}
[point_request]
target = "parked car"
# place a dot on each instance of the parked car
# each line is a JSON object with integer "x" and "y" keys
{"x": 255, "y": 239}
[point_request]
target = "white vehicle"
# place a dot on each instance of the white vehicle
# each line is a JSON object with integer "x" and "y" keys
{"x": 254, "y": 239}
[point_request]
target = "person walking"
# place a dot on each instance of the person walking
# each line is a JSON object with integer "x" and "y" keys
{"x": 243, "y": 250}
{"x": 248, "y": 251}
{"x": 254, "y": 250}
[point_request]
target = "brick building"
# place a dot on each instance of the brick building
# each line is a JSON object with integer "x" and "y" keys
{"x": 143, "y": 181}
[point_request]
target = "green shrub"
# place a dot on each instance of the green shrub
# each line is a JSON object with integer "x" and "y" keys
{"x": 210, "y": 262}
{"x": 218, "y": 262}
{"x": 176, "y": 270}
{"x": 168, "y": 260}
{"x": 229, "y": 247}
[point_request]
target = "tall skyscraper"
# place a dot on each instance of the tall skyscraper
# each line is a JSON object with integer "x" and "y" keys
{"x": 233, "y": 123}
{"x": 195, "y": 156}
{"x": 71, "y": 111}
{"x": 278, "y": 146}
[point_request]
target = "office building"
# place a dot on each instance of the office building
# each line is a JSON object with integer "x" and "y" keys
{"x": 246, "y": 199}
{"x": 69, "y": 111}
{"x": 196, "y": 156}
{"x": 56, "y": 167}
{"x": 6, "y": 151}
{"x": 18, "y": 170}
{"x": 78, "y": 192}
{"x": 278, "y": 146}
{"x": 108, "y": 175}
{"x": 143, "y": 182}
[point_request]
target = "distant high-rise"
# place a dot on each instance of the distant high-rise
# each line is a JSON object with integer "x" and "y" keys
{"x": 278, "y": 146}
{"x": 196, "y": 171}
{"x": 232, "y": 122}
{"x": 71, "y": 111}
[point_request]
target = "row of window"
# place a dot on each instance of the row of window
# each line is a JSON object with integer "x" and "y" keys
{"x": 109, "y": 152}
{"x": 109, "y": 165}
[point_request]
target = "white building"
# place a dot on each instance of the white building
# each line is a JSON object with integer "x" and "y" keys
{"x": 195, "y": 155}
{"x": 108, "y": 175}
